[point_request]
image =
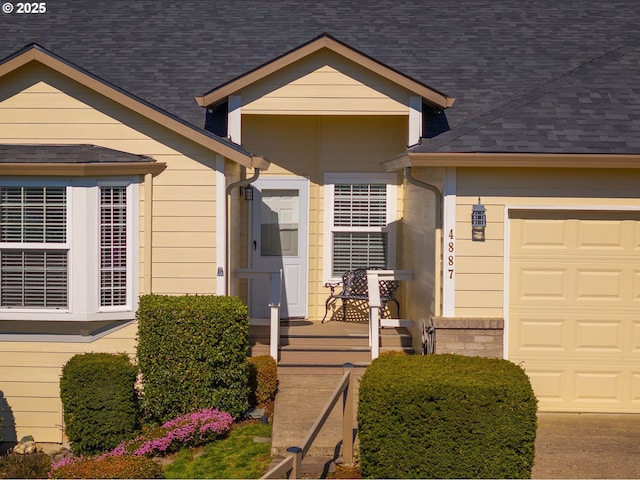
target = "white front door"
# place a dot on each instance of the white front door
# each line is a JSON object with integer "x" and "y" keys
{"x": 279, "y": 240}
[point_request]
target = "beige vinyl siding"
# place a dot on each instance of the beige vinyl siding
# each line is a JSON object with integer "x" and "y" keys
{"x": 418, "y": 250}
{"x": 310, "y": 146}
{"x": 30, "y": 382}
{"x": 45, "y": 107}
{"x": 38, "y": 105}
{"x": 325, "y": 84}
{"x": 480, "y": 265}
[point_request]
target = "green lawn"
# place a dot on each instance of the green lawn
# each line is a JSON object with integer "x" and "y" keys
{"x": 237, "y": 456}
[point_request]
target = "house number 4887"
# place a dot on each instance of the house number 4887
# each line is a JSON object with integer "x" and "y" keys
{"x": 451, "y": 250}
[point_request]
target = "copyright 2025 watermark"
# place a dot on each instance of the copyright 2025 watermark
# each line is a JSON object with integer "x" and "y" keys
{"x": 23, "y": 8}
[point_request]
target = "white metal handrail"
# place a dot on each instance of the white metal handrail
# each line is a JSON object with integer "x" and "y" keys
{"x": 275, "y": 294}
{"x": 373, "y": 279}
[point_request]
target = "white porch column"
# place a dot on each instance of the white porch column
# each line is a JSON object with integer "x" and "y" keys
{"x": 234, "y": 119}
{"x": 415, "y": 120}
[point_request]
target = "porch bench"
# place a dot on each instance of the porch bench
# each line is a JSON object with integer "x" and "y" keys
{"x": 354, "y": 287}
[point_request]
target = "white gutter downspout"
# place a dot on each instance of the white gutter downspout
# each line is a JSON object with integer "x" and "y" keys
{"x": 240, "y": 183}
{"x": 438, "y": 234}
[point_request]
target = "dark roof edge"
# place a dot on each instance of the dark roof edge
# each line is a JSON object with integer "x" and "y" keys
{"x": 35, "y": 46}
{"x": 66, "y": 153}
{"x": 315, "y": 39}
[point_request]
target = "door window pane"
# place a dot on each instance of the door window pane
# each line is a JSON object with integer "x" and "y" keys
{"x": 279, "y": 222}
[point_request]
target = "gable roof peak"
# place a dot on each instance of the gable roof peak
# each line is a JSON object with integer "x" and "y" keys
{"x": 36, "y": 53}
{"x": 328, "y": 41}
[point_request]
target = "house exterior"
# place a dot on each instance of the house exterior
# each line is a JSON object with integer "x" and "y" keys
{"x": 368, "y": 135}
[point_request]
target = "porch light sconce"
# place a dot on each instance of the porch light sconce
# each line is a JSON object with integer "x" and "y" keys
{"x": 247, "y": 193}
{"x": 478, "y": 222}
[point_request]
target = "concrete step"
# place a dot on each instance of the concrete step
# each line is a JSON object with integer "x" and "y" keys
{"x": 325, "y": 340}
{"x": 324, "y": 356}
{"x": 389, "y": 337}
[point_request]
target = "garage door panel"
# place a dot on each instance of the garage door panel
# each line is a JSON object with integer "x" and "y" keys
{"x": 541, "y": 335}
{"x": 585, "y": 386}
{"x": 635, "y": 388}
{"x": 543, "y": 235}
{"x": 600, "y": 285}
{"x": 601, "y": 235}
{"x": 535, "y": 284}
{"x": 574, "y": 307}
{"x": 600, "y": 386}
{"x": 549, "y": 384}
{"x": 634, "y": 337}
{"x": 573, "y": 333}
{"x": 601, "y": 337}
{"x": 589, "y": 283}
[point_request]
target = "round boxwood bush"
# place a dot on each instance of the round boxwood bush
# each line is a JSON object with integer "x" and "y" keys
{"x": 100, "y": 401}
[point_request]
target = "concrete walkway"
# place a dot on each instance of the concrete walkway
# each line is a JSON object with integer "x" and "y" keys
{"x": 587, "y": 446}
{"x": 567, "y": 445}
{"x": 300, "y": 400}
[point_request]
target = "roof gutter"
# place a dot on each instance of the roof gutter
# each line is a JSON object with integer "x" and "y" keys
{"x": 512, "y": 160}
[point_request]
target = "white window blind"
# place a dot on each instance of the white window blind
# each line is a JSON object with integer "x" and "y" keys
{"x": 359, "y": 238}
{"x": 360, "y": 205}
{"x": 33, "y": 214}
{"x": 113, "y": 246}
{"x": 33, "y": 250}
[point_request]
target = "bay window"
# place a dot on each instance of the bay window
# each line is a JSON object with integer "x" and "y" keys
{"x": 67, "y": 249}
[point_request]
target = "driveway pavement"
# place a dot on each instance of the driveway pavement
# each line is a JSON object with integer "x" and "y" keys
{"x": 587, "y": 446}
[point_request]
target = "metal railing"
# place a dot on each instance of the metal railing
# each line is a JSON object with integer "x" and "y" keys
{"x": 275, "y": 294}
{"x": 291, "y": 466}
{"x": 375, "y": 323}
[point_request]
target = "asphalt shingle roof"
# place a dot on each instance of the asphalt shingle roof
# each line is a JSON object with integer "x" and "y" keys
{"x": 496, "y": 57}
{"x": 81, "y": 153}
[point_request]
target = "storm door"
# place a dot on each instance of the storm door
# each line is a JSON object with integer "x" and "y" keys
{"x": 279, "y": 240}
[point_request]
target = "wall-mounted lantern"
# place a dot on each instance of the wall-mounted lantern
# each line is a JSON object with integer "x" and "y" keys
{"x": 247, "y": 193}
{"x": 478, "y": 222}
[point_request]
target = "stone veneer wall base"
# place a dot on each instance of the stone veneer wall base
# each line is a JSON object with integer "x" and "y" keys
{"x": 478, "y": 337}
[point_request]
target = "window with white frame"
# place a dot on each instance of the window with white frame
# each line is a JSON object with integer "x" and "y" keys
{"x": 67, "y": 249}
{"x": 359, "y": 213}
{"x": 34, "y": 248}
{"x": 113, "y": 246}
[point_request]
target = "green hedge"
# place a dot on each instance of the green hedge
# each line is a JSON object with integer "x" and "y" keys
{"x": 192, "y": 353}
{"x": 446, "y": 416}
{"x": 100, "y": 401}
{"x": 263, "y": 379}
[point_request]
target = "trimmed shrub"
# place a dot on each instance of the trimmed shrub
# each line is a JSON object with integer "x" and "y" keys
{"x": 192, "y": 353}
{"x": 107, "y": 467}
{"x": 33, "y": 465}
{"x": 263, "y": 379}
{"x": 100, "y": 401}
{"x": 446, "y": 416}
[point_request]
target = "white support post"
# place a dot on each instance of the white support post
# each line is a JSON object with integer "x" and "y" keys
{"x": 275, "y": 293}
{"x": 274, "y": 304}
{"x": 375, "y": 323}
{"x": 234, "y": 119}
{"x": 374, "y": 313}
{"x": 415, "y": 120}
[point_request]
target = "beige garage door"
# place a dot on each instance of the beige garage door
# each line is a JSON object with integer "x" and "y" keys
{"x": 574, "y": 307}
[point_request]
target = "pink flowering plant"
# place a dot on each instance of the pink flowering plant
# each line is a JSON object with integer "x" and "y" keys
{"x": 189, "y": 430}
